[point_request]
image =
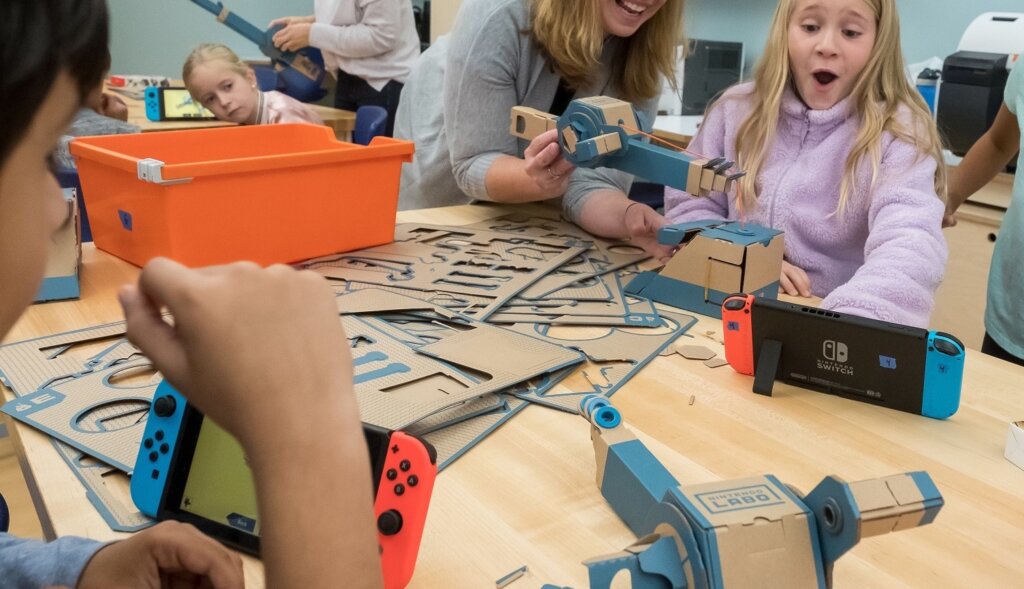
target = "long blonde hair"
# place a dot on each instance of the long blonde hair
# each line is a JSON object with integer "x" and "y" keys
{"x": 571, "y": 33}
{"x": 877, "y": 97}
{"x": 207, "y": 52}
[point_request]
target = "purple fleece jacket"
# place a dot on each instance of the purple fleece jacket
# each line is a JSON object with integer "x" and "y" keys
{"x": 884, "y": 256}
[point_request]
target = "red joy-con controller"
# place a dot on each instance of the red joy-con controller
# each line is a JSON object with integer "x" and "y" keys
{"x": 739, "y": 345}
{"x": 403, "y": 496}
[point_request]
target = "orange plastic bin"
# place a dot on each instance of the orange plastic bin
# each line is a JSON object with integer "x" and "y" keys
{"x": 268, "y": 193}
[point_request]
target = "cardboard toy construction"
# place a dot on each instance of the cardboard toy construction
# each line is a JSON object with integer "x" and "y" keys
{"x": 64, "y": 261}
{"x": 715, "y": 259}
{"x": 458, "y": 260}
{"x": 601, "y": 131}
{"x": 1015, "y": 444}
{"x": 750, "y": 532}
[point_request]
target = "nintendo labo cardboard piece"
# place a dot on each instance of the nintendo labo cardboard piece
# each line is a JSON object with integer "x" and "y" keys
{"x": 749, "y": 532}
{"x": 65, "y": 257}
{"x": 714, "y": 260}
{"x": 887, "y": 364}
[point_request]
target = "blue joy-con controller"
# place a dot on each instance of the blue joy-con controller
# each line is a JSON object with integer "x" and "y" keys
{"x": 152, "y": 99}
{"x": 943, "y": 375}
{"x": 158, "y": 443}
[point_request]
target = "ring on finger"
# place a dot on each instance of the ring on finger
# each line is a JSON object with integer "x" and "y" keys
{"x": 553, "y": 175}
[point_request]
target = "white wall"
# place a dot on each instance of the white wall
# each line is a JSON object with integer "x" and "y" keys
{"x": 154, "y": 36}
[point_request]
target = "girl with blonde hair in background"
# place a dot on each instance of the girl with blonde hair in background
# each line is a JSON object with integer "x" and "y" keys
{"x": 841, "y": 154}
{"x": 220, "y": 81}
{"x": 541, "y": 54}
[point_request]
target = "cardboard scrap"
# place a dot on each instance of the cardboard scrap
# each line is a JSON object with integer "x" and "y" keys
{"x": 695, "y": 352}
{"x": 1015, "y": 444}
{"x": 715, "y": 362}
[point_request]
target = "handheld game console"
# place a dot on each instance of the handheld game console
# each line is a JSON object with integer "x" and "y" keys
{"x": 173, "y": 104}
{"x": 190, "y": 470}
{"x": 886, "y": 364}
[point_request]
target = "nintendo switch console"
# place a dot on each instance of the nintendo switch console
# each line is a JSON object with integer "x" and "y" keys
{"x": 878, "y": 362}
{"x": 173, "y": 104}
{"x": 191, "y": 470}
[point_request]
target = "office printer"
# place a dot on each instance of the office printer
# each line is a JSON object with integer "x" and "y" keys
{"x": 973, "y": 78}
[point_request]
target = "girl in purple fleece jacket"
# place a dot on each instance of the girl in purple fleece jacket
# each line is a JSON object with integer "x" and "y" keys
{"x": 841, "y": 154}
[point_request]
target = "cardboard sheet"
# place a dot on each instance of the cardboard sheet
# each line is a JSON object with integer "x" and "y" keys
{"x": 497, "y": 358}
{"x": 612, "y": 358}
{"x": 431, "y": 257}
{"x": 605, "y": 255}
{"x": 96, "y": 412}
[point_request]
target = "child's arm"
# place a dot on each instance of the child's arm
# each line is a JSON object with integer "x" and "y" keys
{"x": 171, "y": 552}
{"x": 681, "y": 206}
{"x": 263, "y": 353}
{"x": 905, "y": 252}
{"x": 986, "y": 158}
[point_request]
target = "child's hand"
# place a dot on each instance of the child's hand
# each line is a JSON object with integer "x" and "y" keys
{"x": 642, "y": 224}
{"x": 170, "y": 554}
{"x": 113, "y": 107}
{"x": 293, "y": 36}
{"x": 249, "y": 346}
{"x": 545, "y": 164}
{"x": 949, "y": 219}
{"x": 794, "y": 281}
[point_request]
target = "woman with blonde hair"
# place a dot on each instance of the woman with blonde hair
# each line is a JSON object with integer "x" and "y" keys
{"x": 541, "y": 54}
{"x": 841, "y": 154}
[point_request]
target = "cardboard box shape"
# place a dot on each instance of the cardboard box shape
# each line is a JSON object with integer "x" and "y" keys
{"x": 758, "y": 527}
{"x": 64, "y": 260}
{"x": 1015, "y": 444}
{"x": 715, "y": 259}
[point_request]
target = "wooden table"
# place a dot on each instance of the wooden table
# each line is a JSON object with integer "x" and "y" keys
{"x": 526, "y": 494}
{"x": 342, "y": 121}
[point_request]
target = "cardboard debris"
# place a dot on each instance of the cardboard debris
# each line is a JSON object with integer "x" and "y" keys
{"x": 695, "y": 352}
{"x": 715, "y": 362}
{"x": 1015, "y": 444}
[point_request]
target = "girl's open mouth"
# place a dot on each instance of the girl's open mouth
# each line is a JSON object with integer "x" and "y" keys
{"x": 825, "y": 78}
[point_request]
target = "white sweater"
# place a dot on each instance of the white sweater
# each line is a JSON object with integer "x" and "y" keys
{"x": 375, "y": 40}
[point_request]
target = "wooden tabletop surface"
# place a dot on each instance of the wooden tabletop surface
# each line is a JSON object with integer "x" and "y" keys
{"x": 526, "y": 495}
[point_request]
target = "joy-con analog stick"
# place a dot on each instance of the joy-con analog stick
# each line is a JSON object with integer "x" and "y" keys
{"x": 389, "y": 523}
{"x": 165, "y": 406}
{"x": 735, "y": 304}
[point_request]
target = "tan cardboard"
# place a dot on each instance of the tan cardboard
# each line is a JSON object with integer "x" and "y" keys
{"x": 527, "y": 123}
{"x": 751, "y": 540}
{"x": 1015, "y": 444}
{"x": 724, "y": 266}
{"x": 64, "y": 260}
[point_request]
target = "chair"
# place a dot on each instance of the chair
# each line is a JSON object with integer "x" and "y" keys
{"x": 5, "y": 515}
{"x": 266, "y": 77}
{"x": 370, "y": 122}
